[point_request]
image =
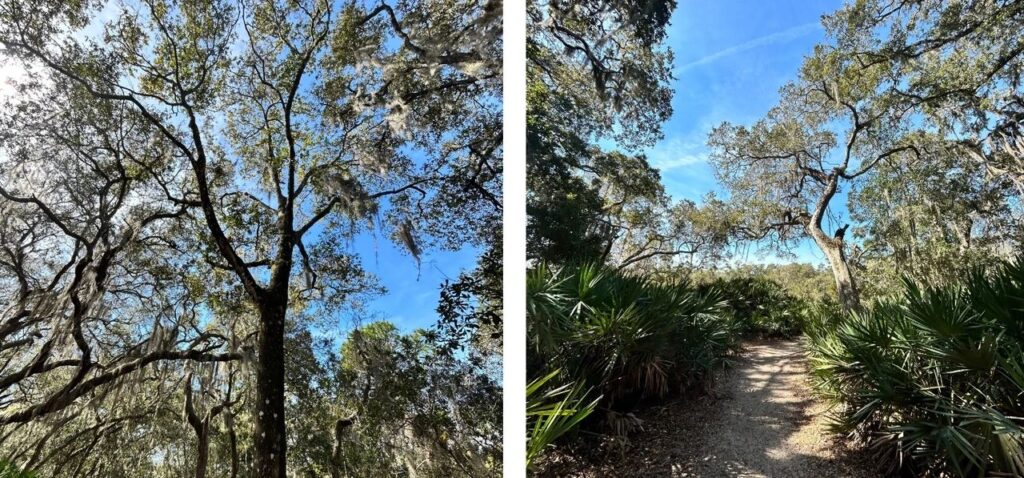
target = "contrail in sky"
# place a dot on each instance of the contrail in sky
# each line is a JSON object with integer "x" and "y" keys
{"x": 777, "y": 37}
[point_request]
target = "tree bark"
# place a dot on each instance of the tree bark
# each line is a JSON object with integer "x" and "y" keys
{"x": 201, "y": 425}
{"x": 203, "y": 451}
{"x": 846, "y": 286}
{"x": 270, "y": 437}
{"x": 832, "y": 247}
{"x": 233, "y": 443}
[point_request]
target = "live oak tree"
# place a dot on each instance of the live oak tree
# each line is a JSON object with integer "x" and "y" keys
{"x": 200, "y": 417}
{"x": 785, "y": 170}
{"x": 595, "y": 70}
{"x": 87, "y": 316}
{"x": 416, "y": 409}
{"x": 196, "y": 150}
{"x": 605, "y": 58}
{"x": 933, "y": 219}
{"x": 958, "y": 63}
{"x": 585, "y": 204}
{"x": 598, "y": 71}
{"x": 656, "y": 238}
{"x": 469, "y": 307}
{"x": 891, "y": 74}
{"x": 582, "y": 202}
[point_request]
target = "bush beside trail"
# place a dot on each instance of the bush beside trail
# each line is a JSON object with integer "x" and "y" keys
{"x": 933, "y": 378}
{"x": 623, "y": 339}
{"x": 760, "y": 306}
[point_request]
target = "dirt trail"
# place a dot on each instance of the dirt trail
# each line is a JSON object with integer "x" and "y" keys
{"x": 763, "y": 423}
{"x": 766, "y": 423}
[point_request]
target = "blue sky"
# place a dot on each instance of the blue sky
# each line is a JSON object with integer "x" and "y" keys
{"x": 731, "y": 58}
{"x": 412, "y": 291}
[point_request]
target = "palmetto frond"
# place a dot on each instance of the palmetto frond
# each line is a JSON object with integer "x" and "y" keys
{"x": 935, "y": 376}
{"x": 626, "y": 337}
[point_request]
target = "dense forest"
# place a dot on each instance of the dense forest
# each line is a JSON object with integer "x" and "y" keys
{"x": 895, "y": 152}
{"x": 181, "y": 183}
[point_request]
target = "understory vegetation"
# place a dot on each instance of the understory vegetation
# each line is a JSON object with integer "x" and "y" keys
{"x": 761, "y": 307}
{"x": 623, "y": 339}
{"x": 605, "y": 342}
{"x": 931, "y": 378}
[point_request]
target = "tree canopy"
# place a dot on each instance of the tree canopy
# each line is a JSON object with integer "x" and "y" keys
{"x": 597, "y": 72}
{"x": 897, "y": 85}
{"x": 180, "y": 184}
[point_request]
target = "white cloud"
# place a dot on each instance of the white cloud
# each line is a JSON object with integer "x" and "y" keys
{"x": 679, "y": 161}
{"x": 676, "y": 153}
{"x": 777, "y": 37}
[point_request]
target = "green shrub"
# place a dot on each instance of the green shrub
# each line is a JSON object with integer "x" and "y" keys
{"x": 626, "y": 338}
{"x": 932, "y": 379}
{"x": 761, "y": 306}
{"x": 552, "y": 412}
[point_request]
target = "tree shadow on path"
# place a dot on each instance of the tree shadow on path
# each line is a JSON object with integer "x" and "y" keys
{"x": 763, "y": 423}
{"x": 767, "y": 424}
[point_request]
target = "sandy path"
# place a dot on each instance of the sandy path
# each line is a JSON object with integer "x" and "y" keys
{"x": 762, "y": 423}
{"x": 766, "y": 423}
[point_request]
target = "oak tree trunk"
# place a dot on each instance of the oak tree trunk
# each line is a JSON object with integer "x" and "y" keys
{"x": 233, "y": 442}
{"x": 846, "y": 287}
{"x": 201, "y": 426}
{"x": 270, "y": 426}
{"x": 203, "y": 450}
{"x": 832, "y": 247}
